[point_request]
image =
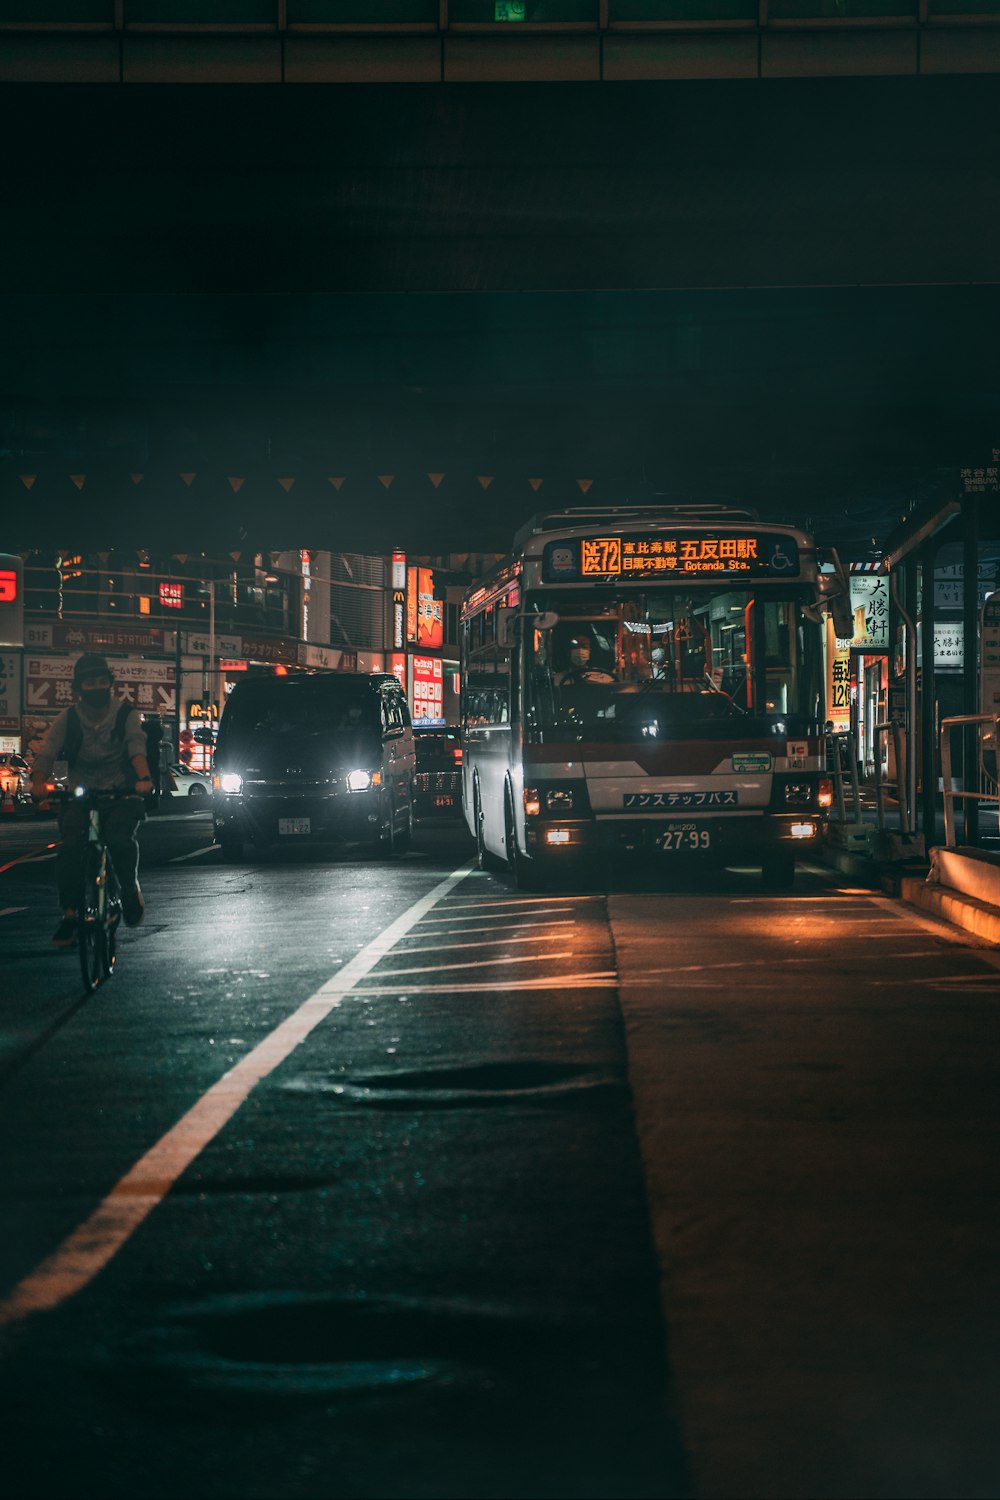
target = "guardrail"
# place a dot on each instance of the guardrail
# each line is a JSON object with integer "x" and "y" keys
{"x": 948, "y": 791}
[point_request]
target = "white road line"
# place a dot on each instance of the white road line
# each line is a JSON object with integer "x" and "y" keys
{"x": 603, "y": 978}
{"x": 473, "y": 963}
{"x": 517, "y": 901}
{"x": 98, "y": 1239}
{"x": 511, "y": 927}
{"x": 12, "y": 911}
{"x": 179, "y": 859}
{"x": 486, "y": 942}
{"x": 501, "y": 916}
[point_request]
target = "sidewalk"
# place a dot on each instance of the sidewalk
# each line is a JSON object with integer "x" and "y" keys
{"x": 820, "y": 1144}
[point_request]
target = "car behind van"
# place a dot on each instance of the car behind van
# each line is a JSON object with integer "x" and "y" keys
{"x": 314, "y": 758}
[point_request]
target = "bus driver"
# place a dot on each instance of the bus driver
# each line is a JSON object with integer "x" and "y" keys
{"x": 580, "y": 670}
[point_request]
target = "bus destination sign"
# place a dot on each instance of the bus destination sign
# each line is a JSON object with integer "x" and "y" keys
{"x": 659, "y": 555}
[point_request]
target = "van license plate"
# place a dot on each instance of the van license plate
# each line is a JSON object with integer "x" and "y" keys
{"x": 685, "y": 840}
{"x": 294, "y": 825}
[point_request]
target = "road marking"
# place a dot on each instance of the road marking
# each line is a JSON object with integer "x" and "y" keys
{"x": 518, "y": 901}
{"x": 603, "y": 978}
{"x": 98, "y": 1239}
{"x": 511, "y": 927}
{"x": 28, "y": 859}
{"x": 501, "y": 916}
{"x": 12, "y": 911}
{"x": 179, "y": 859}
{"x": 475, "y": 963}
{"x": 486, "y": 942}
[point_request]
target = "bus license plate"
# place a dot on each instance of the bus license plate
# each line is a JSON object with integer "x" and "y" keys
{"x": 294, "y": 825}
{"x": 685, "y": 839}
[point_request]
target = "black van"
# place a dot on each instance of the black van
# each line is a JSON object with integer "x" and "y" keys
{"x": 325, "y": 757}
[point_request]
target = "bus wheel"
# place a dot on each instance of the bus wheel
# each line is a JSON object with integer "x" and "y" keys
{"x": 778, "y": 870}
{"x": 524, "y": 873}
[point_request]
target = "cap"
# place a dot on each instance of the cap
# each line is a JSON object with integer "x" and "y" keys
{"x": 91, "y": 664}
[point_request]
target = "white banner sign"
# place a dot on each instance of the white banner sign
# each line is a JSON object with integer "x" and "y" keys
{"x": 870, "y": 605}
{"x": 10, "y": 690}
{"x": 48, "y": 683}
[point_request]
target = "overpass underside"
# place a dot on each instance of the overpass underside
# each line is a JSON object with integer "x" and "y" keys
{"x": 484, "y": 41}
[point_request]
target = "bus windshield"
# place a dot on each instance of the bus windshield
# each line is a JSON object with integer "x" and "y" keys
{"x": 670, "y": 663}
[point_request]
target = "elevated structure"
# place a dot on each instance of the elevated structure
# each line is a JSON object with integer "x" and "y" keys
{"x": 479, "y": 41}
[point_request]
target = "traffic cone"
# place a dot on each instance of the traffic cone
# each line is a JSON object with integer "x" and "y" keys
{"x": 8, "y": 801}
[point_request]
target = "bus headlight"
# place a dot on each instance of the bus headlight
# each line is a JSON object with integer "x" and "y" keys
{"x": 229, "y": 782}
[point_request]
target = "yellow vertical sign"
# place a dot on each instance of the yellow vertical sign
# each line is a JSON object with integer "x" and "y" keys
{"x": 838, "y": 678}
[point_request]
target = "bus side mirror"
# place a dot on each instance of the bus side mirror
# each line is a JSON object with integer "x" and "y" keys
{"x": 507, "y": 632}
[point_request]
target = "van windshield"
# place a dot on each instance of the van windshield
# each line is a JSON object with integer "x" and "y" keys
{"x": 302, "y": 710}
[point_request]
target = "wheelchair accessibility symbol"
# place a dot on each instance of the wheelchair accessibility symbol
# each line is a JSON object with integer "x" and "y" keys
{"x": 779, "y": 560}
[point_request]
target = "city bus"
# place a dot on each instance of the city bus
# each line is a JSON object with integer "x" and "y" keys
{"x": 649, "y": 680}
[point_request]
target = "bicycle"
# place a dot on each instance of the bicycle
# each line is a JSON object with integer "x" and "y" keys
{"x": 99, "y": 908}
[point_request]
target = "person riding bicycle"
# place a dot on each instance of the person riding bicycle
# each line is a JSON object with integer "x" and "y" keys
{"x": 101, "y": 738}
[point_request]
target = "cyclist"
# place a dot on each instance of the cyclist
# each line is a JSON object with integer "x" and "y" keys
{"x": 101, "y": 738}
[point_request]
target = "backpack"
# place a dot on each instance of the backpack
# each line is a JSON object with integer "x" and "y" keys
{"x": 74, "y": 732}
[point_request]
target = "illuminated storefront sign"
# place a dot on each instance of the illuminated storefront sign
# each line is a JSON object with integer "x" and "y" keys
{"x": 398, "y": 572}
{"x": 172, "y": 595}
{"x": 428, "y": 691}
{"x": 661, "y": 556}
{"x": 11, "y": 600}
{"x": 397, "y": 666}
{"x": 870, "y": 606}
{"x": 430, "y": 612}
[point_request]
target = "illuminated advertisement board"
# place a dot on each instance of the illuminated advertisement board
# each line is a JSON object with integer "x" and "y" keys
{"x": 11, "y": 600}
{"x": 428, "y": 692}
{"x": 430, "y": 612}
{"x": 640, "y": 555}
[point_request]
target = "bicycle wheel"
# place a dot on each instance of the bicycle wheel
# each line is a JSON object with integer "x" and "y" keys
{"x": 90, "y": 921}
{"x": 112, "y": 916}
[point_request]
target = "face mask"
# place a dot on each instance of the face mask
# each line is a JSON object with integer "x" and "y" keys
{"x": 96, "y": 698}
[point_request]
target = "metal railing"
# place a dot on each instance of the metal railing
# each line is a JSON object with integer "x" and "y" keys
{"x": 948, "y": 791}
{"x": 842, "y": 761}
{"x": 892, "y": 726}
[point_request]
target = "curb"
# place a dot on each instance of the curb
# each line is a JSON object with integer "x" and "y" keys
{"x": 962, "y": 911}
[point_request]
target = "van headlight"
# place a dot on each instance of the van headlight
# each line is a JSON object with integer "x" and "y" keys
{"x": 363, "y": 781}
{"x": 229, "y": 782}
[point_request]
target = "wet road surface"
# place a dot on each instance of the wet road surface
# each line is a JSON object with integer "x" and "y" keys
{"x": 378, "y": 1178}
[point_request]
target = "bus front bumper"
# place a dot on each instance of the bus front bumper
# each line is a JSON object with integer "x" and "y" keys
{"x": 704, "y": 838}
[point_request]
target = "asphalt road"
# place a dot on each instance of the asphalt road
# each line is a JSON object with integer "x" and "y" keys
{"x": 371, "y": 1178}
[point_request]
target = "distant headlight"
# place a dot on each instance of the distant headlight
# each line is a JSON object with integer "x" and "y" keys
{"x": 363, "y": 781}
{"x": 229, "y": 782}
